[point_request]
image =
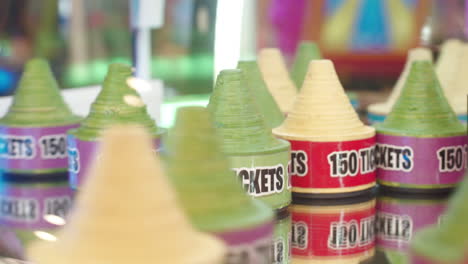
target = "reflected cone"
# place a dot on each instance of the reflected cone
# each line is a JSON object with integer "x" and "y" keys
{"x": 37, "y": 101}
{"x": 415, "y": 54}
{"x": 119, "y": 219}
{"x": 322, "y": 111}
{"x": 277, "y": 78}
{"x": 306, "y": 52}
{"x": 446, "y": 241}
{"x": 264, "y": 100}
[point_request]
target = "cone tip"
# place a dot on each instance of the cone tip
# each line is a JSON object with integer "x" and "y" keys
{"x": 229, "y": 75}
{"x": 270, "y": 52}
{"x": 308, "y": 45}
{"x": 39, "y": 63}
{"x": 191, "y": 115}
{"x": 420, "y": 53}
{"x": 121, "y": 132}
{"x": 119, "y": 68}
{"x": 322, "y": 66}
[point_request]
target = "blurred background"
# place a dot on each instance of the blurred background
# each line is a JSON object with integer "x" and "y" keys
{"x": 367, "y": 39}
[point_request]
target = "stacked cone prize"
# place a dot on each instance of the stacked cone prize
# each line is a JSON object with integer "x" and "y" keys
{"x": 331, "y": 149}
{"x": 259, "y": 159}
{"x": 117, "y": 103}
{"x": 377, "y": 112}
{"x": 265, "y": 102}
{"x": 421, "y": 145}
{"x": 33, "y": 154}
{"x": 306, "y": 52}
{"x": 143, "y": 227}
{"x": 210, "y": 192}
{"x": 277, "y": 78}
{"x": 446, "y": 241}
{"x": 337, "y": 231}
{"x": 401, "y": 215}
{"x": 33, "y": 132}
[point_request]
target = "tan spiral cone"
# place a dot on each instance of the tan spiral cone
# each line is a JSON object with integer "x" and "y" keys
{"x": 458, "y": 91}
{"x": 277, "y": 78}
{"x": 128, "y": 213}
{"x": 322, "y": 111}
{"x": 413, "y": 55}
{"x": 447, "y": 64}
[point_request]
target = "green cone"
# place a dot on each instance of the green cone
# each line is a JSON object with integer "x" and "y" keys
{"x": 422, "y": 109}
{"x": 247, "y": 140}
{"x": 206, "y": 186}
{"x": 37, "y": 101}
{"x": 264, "y": 100}
{"x": 447, "y": 242}
{"x": 306, "y": 52}
{"x": 237, "y": 119}
{"x": 111, "y": 107}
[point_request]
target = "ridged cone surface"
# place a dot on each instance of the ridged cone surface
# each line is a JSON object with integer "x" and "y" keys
{"x": 263, "y": 98}
{"x": 128, "y": 213}
{"x": 306, "y": 52}
{"x": 277, "y": 78}
{"x": 458, "y": 92}
{"x": 322, "y": 111}
{"x": 207, "y": 187}
{"x": 422, "y": 109}
{"x": 37, "y": 100}
{"x": 237, "y": 119}
{"x": 447, "y": 64}
{"x": 415, "y": 54}
{"x": 447, "y": 242}
{"x": 110, "y": 107}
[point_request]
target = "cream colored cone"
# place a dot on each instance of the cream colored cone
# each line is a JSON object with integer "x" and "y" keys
{"x": 447, "y": 64}
{"x": 322, "y": 111}
{"x": 128, "y": 213}
{"x": 277, "y": 78}
{"x": 413, "y": 55}
{"x": 458, "y": 91}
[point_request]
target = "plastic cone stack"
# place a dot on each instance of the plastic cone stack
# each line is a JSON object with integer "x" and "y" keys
{"x": 422, "y": 109}
{"x": 247, "y": 140}
{"x": 413, "y": 55}
{"x": 107, "y": 227}
{"x": 117, "y": 103}
{"x": 321, "y": 125}
{"x": 237, "y": 119}
{"x": 201, "y": 172}
{"x": 37, "y": 101}
{"x": 306, "y": 52}
{"x": 264, "y": 100}
{"x": 322, "y": 111}
{"x": 277, "y": 78}
{"x": 423, "y": 124}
